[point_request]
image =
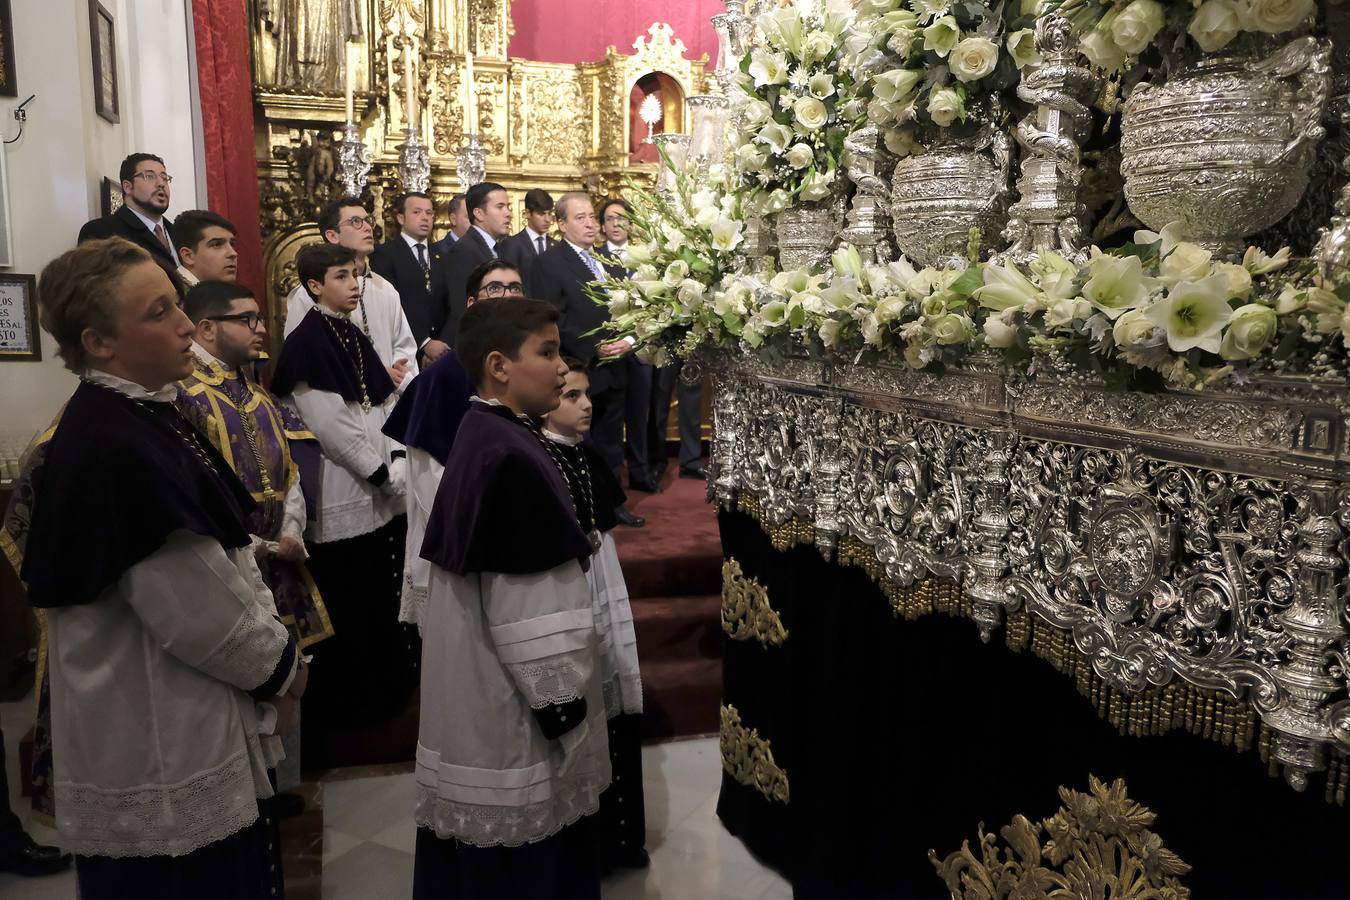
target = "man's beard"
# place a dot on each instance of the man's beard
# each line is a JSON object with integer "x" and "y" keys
{"x": 154, "y": 206}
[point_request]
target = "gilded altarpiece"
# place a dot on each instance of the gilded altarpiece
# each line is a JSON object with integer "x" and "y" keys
{"x": 550, "y": 125}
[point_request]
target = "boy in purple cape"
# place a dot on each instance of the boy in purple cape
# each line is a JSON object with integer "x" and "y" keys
{"x": 512, "y": 753}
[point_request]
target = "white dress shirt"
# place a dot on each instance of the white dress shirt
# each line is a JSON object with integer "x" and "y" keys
{"x": 489, "y": 239}
{"x": 150, "y": 225}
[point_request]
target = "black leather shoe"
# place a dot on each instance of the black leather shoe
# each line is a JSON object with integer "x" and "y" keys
{"x": 288, "y": 805}
{"x": 694, "y": 471}
{"x": 627, "y": 518}
{"x": 31, "y": 858}
{"x": 646, "y": 485}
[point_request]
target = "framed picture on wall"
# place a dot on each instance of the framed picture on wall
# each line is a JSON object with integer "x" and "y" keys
{"x": 103, "y": 43}
{"x": 110, "y": 195}
{"x": 9, "y": 86}
{"x": 18, "y": 318}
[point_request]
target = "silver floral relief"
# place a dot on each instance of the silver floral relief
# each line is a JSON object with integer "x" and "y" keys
{"x": 1225, "y": 568}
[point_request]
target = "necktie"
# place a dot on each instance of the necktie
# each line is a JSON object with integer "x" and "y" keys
{"x": 422, "y": 261}
{"x": 539, "y": 244}
{"x": 163, "y": 237}
{"x": 592, "y": 265}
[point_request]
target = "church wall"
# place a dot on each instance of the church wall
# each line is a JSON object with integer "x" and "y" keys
{"x": 550, "y": 31}
{"x": 56, "y": 168}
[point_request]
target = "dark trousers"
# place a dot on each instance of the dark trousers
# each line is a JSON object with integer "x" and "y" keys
{"x": 622, "y": 819}
{"x": 690, "y": 396}
{"x": 637, "y": 417}
{"x": 11, "y": 829}
{"x": 609, "y": 396}
{"x": 563, "y": 866}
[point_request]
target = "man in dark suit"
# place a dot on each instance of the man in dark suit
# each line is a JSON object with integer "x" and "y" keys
{"x": 490, "y": 220}
{"x": 140, "y": 219}
{"x": 560, "y": 276}
{"x": 521, "y": 248}
{"x": 459, "y": 223}
{"x": 418, "y": 272}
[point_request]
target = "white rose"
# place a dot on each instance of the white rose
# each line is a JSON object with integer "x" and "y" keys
{"x": 1274, "y": 16}
{"x": 952, "y": 329}
{"x": 1022, "y": 47}
{"x": 1239, "y": 280}
{"x": 1134, "y": 329}
{"x": 1102, "y": 51}
{"x": 1214, "y": 24}
{"x": 619, "y": 302}
{"x": 726, "y": 235}
{"x": 810, "y": 113}
{"x": 799, "y": 156}
{"x": 755, "y": 113}
{"x": 775, "y": 136}
{"x": 690, "y": 293}
{"x": 942, "y": 36}
{"x": 818, "y": 45}
{"x": 676, "y": 272}
{"x": 829, "y": 332}
{"x": 816, "y": 186}
{"x": 975, "y": 57}
{"x": 707, "y": 216}
{"x": 901, "y": 142}
{"x": 777, "y": 201}
{"x": 1186, "y": 262}
{"x": 999, "y": 334}
{"x": 1137, "y": 25}
{"x": 768, "y": 68}
{"x": 945, "y": 106}
{"x": 750, "y": 158}
{"x": 821, "y": 85}
{"x": 703, "y": 199}
{"x": 1250, "y": 331}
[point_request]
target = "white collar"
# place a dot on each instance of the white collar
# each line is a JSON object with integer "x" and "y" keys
{"x": 150, "y": 223}
{"x": 533, "y": 235}
{"x": 166, "y": 394}
{"x": 477, "y": 399}
{"x": 207, "y": 356}
{"x": 491, "y": 241}
{"x": 560, "y": 439}
{"x": 412, "y": 241}
{"x": 188, "y": 278}
{"x": 330, "y": 312}
{"x": 615, "y": 249}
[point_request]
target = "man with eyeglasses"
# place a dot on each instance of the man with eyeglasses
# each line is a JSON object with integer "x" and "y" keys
{"x": 425, "y": 421}
{"x": 140, "y": 219}
{"x": 379, "y": 311}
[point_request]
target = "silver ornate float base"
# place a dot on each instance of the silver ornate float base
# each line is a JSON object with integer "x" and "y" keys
{"x": 806, "y": 234}
{"x": 1174, "y": 536}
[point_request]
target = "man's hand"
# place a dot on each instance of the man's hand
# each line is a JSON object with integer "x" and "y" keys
{"x": 614, "y": 349}
{"x": 433, "y": 349}
{"x": 290, "y": 548}
{"x": 300, "y": 680}
{"x": 398, "y": 371}
{"x": 287, "y": 718}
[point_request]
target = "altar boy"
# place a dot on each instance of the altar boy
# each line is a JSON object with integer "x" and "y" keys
{"x": 512, "y": 754}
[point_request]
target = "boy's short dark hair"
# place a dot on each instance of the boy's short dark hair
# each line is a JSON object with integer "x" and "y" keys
{"x": 128, "y": 170}
{"x": 499, "y": 326}
{"x": 482, "y": 270}
{"x": 576, "y": 365}
{"x": 191, "y": 225}
{"x": 538, "y": 200}
{"x": 213, "y": 298}
{"x": 477, "y": 196}
{"x": 331, "y": 216}
{"x": 314, "y": 260}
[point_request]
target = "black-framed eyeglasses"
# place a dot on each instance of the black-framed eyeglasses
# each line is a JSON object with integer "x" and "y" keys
{"x": 358, "y": 221}
{"x": 498, "y": 289}
{"x": 249, "y": 320}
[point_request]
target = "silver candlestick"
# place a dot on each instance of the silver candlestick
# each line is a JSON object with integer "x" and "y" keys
{"x": 471, "y": 162}
{"x": 414, "y": 165}
{"x": 354, "y": 159}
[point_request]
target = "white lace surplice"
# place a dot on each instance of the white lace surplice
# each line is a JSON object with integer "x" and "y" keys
{"x": 494, "y": 647}
{"x": 619, "y": 675}
{"x": 424, "y": 477}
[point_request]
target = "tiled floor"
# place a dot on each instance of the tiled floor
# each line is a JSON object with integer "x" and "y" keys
{"x": 367, "y": 833}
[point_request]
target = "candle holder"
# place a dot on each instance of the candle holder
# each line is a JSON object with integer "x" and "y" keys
{"x": 471, "y": 162}
{"x": 414, "y": 164}
{"x": 707, "y": 136}
{"x": 675, "y": 147}
{"x": 354, "y": 159}
{"x": 733, "y": 29}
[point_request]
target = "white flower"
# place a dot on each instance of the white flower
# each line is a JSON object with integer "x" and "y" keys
{"x": 799, "y": 156}
{"x": 676, "y": 272}
{"x": 810, "y": 113}
{"x": 929, "y": 9}
{"x": 1274, "y": 16}
{"x": 942, "y": 36}
{"x": 706, "y": 216}
{"x": 998, "y": 333}
{"x": 1137, "y": 25}
{"x": 901, "y": 42}
{"x": 816, "y": 186}
{"x": 777, "y": 201}
{"x": 1172, "y": 234}
{"x": 785, "y": 26}
{"x": 703, "y": 199}
{"x": 1258, "y": 263}
{"x": 1063, "y": 310}
{"x": 901, "y": 142}
{"x": 634, "y": 255}
{"x": 726, "y": 235}
{"x": 1250, "y": 331}
{"x": 1186, "y": 262}
{"x": 775, "y": 136}
{"x": 1214, "y": 24}
{"x": 1098, "y": 46}
{"x": 871, "y": 330}
{"x": 847, "y": 261}
{"x": 674, "y": 238}
{"x": 755, "y": 113}
{"x": 1022, "y": 48}
{"x": 1137, "y": 331}
{"x": 1116, "y": 284}
{"x": 1004, "y": 288}
{"x": 1291, "y": 300}
{"x": 750, "y": 158}
{"x": 945, "y": 107}
{"x": 619, "y": 302}
{"x": 768, "y": 68}
{"x": 829, "y": 332}
{"x": 975, "y": 57}
{"x": 690, "y": 293}
{"x": 817, "y": 46}
{"x": 952, "y": 328}
{"x": 1193, "y": 314}
{"x": 895, "y": 85}
{"x": 821, "y": 85}
{"x": 1239, "y": 280}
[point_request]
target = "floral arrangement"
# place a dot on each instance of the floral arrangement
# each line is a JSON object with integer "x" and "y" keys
{"x": 937, "y": 61}
{"x": 681, "y": 251}
{"x": 1114, "y": 31}
{"x": 1158, "y": 312}
{"x": 793, "y": 95}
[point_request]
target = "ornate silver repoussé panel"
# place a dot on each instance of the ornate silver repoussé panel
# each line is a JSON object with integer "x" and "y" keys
{"x": 1194, "y": 536}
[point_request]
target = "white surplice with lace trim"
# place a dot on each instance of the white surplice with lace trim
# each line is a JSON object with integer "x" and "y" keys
{"x": 155, "y": 739}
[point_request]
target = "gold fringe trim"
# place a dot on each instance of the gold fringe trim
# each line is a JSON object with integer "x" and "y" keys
{"x": 746, "y": 612}
{"x": 1205, "y": 713}
{"x": 748, "y": 759}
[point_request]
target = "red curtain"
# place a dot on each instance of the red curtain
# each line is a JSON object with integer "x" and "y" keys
{"x": 226, "y": 89}
{"x": 550, "y": 31}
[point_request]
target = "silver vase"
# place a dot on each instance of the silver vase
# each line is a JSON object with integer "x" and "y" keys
{"x": 1226, "y": 144}
{"x": 806, "y": 233}
{"x": 938, "y": 196}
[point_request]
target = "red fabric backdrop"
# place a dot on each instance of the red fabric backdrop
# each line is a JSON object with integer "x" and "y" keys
{"x": 225, "y": 86}
{"x": 568, "y": 31}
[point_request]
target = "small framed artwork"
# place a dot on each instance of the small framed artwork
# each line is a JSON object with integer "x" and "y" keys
{"x": 18, "y": 318}
{"x": 9, "y": 86}
{"x": 103, "y": 43}
{"x": 110, "y": 195}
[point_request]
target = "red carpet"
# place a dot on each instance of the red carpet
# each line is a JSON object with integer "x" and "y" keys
{"x": 673, "y": 568}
